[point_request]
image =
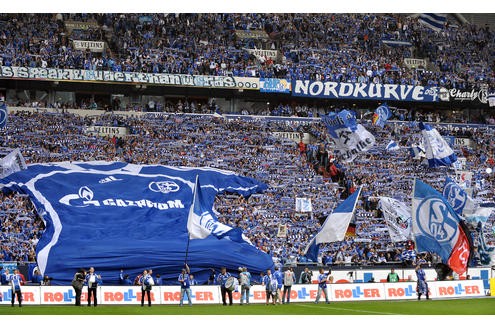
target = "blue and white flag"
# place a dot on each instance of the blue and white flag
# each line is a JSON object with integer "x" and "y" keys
{"x": 114, "y": 215}
{"x": 397, "y": 215}
{"x": 435, "y": 22}
{"x": 381, "y": 115}
{"x": 481, "y": 214}
{"x": 417, "y": 151}
{"x": 202, "y": 221}
{"x": 335, "y": 226}
{"x": 437, "y": 229}
{"x": 350, "y": 137}
{"x": 437, "y": 150}
{"x": 457, "y": 197}
{"x": 3, "y": 115}
{"x": 303, "y": 205}
{"x": 392, "y": 146}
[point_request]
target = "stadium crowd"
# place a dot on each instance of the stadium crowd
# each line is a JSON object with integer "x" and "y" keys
{"x": 289, "y": 168}
{"x": 334, "y": 47}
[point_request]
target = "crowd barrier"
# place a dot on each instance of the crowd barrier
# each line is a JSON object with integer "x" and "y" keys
{"x": 169, "y": 295}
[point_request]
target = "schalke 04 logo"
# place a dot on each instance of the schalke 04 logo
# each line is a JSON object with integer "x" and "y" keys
{"x": 455, "y": 195}
{"x": 436, "y": 221}
{"x": 164, "y": 187}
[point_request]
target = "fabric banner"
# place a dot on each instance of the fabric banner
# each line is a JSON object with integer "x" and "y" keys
{"x": 185, "y": 80}
{"x": 113, "y": 215}
{"x": 107, "y": 130}
{"x": 282, "y": 231}
{"x": 437, "y": 150}
{"x": 303, "y": 204}
{"x": 251, "y": 34}
{"x": 435, "y": 22}
{"x": 415, "y": 62}
{"x": 262, "y": 53}
{"x": 436, "y": 227}
{"x": 477, "y": 97}
{"x": 346, "y": 90}
{"x": 350, "y": 138}
{"x": 94, "y": 46}
{"x": 397, "y": 215}
{"x": 275, "y": 85}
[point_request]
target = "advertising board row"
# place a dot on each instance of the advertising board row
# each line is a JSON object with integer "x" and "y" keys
{"x": 35, "y": 295}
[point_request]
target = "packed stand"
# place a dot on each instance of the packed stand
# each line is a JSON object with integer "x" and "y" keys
{"x": 289, "y": 169}
{"x": 331, "y": 47}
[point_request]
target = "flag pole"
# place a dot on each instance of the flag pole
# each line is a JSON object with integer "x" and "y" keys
{"x": 187, "y": 248}
{"x": 191, "y": 209}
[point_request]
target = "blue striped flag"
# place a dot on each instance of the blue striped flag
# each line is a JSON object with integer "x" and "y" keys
{"x": 334, "y": 227}
{"x": 417, "y": 151}
{"x": 434, "y": 21}
{"x": 437, "y": 150}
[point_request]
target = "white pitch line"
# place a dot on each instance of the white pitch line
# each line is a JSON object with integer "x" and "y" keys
{"x": 347, "y": 309}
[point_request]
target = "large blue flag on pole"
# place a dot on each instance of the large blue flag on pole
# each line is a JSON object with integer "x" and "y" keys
{"x": 113, "y": 215}
{"x": 381, "y": 115}
{"x": 334, "y": 227}
{"x": 437, "y": 227}
{"x": 438, "y": 152}
{"x": 202, "y": 222}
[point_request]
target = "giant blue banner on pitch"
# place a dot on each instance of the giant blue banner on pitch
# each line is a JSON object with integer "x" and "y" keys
{"x": 346, "y": 90}
{"x": 114, "y": 215}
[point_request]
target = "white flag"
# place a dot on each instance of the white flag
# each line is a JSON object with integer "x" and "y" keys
{"x": 303, "y": 205}
{"x": 397, "y": 215}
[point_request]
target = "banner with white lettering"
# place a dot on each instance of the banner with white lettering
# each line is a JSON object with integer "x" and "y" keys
{"x": 262, "y": 53}
{"x": 345, "y": 90}
{"x": 350, "y": 137}
{"x": 185, "y": 80}
{"x": 94, "y": 46}
{"x": 107, "y": 130}
{"x": 474, "y": 96}
{"x": 415, "y": 62}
